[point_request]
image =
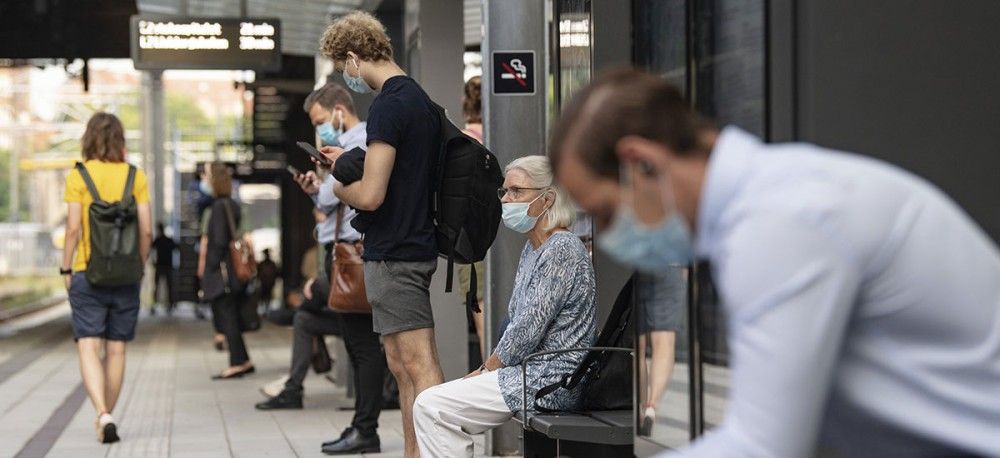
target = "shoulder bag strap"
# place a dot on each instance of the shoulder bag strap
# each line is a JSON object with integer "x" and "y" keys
{"x": 340, "y": 218}
{"x": 229, "y": 219}
{"x": 89, "y": 182}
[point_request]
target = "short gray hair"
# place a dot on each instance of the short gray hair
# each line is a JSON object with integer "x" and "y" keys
{"x": 562, "y": 213}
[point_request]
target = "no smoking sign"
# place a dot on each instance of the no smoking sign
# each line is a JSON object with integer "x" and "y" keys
{"x": 513, "y": 72}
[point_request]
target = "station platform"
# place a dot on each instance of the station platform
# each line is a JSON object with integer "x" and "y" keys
{"x": 168, "y": 406}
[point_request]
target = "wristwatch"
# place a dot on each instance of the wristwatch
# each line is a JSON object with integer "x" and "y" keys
{"x": 65, "y": 271}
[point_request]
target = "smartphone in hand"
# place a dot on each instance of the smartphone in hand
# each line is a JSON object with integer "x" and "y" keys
{"x": 312, "y": 151}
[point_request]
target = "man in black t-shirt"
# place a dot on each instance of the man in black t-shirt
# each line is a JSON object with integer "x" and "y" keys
{"x": 164, "y": 248}
{"x": 393, "y": 195}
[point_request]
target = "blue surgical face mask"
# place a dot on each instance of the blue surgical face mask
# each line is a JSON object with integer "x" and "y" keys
{"x": 650, "y": 249}
{"x": 516, "y": 217}
{"x": 356, "y": 83}
{"x": 328, "y": 135}
{"x": 205, "y": 189}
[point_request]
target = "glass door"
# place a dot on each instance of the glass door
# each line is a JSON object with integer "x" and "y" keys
{"x": 713, "y": 51}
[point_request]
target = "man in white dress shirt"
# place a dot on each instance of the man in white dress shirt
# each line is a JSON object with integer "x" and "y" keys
{"x": 863, "y": 304}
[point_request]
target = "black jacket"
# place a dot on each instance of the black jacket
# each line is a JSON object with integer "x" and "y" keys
{"x": 213, "y": 284}
{"x": 349, "y": 168}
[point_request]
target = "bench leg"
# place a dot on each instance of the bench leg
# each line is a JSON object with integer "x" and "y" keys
{"x": 536, "y": 445}
{"x": 585, "y": 449}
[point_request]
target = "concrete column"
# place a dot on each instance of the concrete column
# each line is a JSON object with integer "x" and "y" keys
{"x": 22, "y": 140}
{"x": 433, "y": 55}
{"x": 514, "y": 126}
{"x": 153, "y": 134}
{"x": 611, "y": 47}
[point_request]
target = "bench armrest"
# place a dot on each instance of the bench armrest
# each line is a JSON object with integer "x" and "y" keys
{"x": 524, "y": 372}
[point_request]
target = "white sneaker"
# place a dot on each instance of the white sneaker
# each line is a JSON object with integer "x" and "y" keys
{"x": 274, "y": 388}
{"x": 648, "y": 419}
{"x": 107, "y": 431}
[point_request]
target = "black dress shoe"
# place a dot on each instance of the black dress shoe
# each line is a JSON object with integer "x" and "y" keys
{"x": 342, "y": 436}
{"x": 284, "y": 400}
{"x": 354, "y": 443}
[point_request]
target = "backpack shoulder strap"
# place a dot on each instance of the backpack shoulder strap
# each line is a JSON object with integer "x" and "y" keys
{"x": 88, "y": 181}
{"x": 129, "y": 183}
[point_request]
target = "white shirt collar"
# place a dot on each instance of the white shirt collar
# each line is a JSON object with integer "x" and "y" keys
{"x": 354, "y": 135}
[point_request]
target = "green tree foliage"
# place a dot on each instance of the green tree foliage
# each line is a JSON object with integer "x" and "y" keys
{"x": 5, "y": 158}
{"x": 182, "y": 112}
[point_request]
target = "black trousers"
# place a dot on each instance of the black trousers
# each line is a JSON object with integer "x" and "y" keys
{"x": 363, "y": 349}
{"x": 307, "y": 326}
{"x": 166, "y": 273}
{"x": 369, "y": 365}
{"x": 226, "y": 317}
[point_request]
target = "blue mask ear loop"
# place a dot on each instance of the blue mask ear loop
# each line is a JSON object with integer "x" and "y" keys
{"x": 540, "y": 215}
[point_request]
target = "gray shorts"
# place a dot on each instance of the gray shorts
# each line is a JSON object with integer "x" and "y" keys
{"x": 663, "y": 301}
{"x": 400, "y": 295}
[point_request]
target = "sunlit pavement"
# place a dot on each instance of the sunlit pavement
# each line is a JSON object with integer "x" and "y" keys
{"x": 168, "y": 406}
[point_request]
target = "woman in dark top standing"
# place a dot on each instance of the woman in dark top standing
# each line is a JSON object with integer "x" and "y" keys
{"x": 218, "y": 283}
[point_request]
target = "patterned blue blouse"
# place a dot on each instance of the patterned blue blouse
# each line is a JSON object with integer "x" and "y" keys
{"x": 552, "y": 308}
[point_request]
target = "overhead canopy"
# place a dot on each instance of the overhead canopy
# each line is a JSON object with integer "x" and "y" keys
{"x": 65, "y": 29}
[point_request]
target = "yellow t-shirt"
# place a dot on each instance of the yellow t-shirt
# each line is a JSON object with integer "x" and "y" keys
{"x": 109, "y": 179}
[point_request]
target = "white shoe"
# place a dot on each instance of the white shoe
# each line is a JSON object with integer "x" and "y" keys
{"x": 648, "y": 419}
{"x": 274, "y": 388}
{"x": 107, "y": 431}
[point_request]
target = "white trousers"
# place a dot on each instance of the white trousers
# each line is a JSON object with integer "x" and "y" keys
{"x": 446, "y": 416}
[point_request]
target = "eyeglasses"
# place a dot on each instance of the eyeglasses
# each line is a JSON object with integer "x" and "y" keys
{"x": 514, "y": 191}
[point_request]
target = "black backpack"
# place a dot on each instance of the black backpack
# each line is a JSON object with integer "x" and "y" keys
{"x": 113, "y": 259}
{"x": 607, "y": 375}
{"x": 465, "y": 208}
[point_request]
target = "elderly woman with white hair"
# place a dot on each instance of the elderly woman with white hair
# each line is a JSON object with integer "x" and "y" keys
{"x": 552, "y": 307}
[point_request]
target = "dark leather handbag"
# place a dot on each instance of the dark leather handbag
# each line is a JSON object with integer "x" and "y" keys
{"x": 347, "y": 275}
{"x": 321, "y": 360}
{"x": 243, "y": 262}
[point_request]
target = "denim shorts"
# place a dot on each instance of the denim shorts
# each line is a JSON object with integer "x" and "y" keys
{"x": 106, "y": 312}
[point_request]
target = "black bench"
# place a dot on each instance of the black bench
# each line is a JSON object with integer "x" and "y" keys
{"x": 594, "y": 434}
{"x": 604, "y": 434}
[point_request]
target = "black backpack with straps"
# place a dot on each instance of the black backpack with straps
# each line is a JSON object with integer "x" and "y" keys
{"x": 113, "y": 258}
{"x": 606, "y": 375}
{"x": 464, "y": 205}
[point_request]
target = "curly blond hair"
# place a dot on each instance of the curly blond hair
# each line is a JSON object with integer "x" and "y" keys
{"x": 358, "y": 32}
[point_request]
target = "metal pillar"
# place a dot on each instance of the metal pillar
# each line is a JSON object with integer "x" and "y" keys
{"x": 514, "y": 126}
{"x": 153, "y": 132}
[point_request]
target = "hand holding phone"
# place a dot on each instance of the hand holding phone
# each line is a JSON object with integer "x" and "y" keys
{"x": 316, "y": 155}
{"x": 308, "y": 181}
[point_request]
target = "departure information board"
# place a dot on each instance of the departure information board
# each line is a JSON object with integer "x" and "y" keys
{"x": 161, "y": 43}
